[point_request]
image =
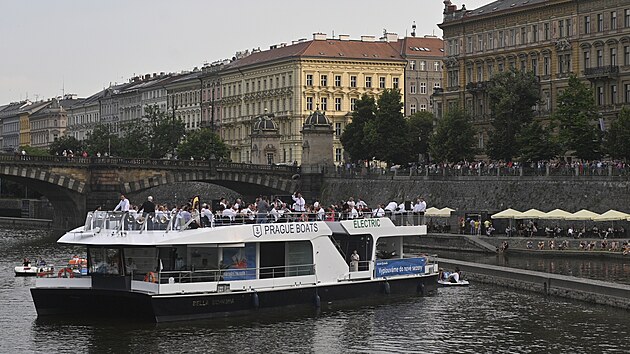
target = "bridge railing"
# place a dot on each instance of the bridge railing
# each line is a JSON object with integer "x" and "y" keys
{"x": 143, "y": 162}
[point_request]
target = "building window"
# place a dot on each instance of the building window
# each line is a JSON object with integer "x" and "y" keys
{"x": 368, "y": 81}
{"x": 436, "y": 85}
{"x": 381, "y": 82}
{"x": 412, "y": 108}
{"x": 587, "y": 24}
{"x": 512, "y": 37}
{"x": 627, "y": 93}
{"x": 569, "y": 27}
{"x": 479, "y": 42}
{"x": 561, "y": 28}
{"x": 423, "y": 107}
{"x": 600, "y": 22}
{"x": 412, "y": 88}
{"x": 423, "y": 88}
{"x": 626, "y": 55}
{"x": 323, "y": 79}
{"x": 600, "y": 58}
{"x": 395, "y": 83}
{"x": 337, "y": 103}
{"x": 534, "y": 33}
{"x": 613, "y": 94}
{"x": 479, "y": 73}
{"x": 613, "y": 20}
{"x": 337, "y": 80}
{"x": 353, "y": 104}
{"x": 523, "y": 35}
{"x": 338, "y": 155}
{"x": 535, "y": 66}
{"x": 613, "y": 56}
{"x": 600, "y": 95}
{"x": 309, "y": 103}
{"x": 324, "y": 102}
{"x": 626, "y": 18}
{"x": 490, "y": 41}
{"x": 469, "y": 44}
{"x": 412, "y": 65}
{"x": 546, "y": 34}
{"x": 436, "y": 66}
{"x": 423, "y": 65}
{"x": 501, "y": 39}
{"x": 337, "y": 129}
{"x": 546, "y": 66}
{"x": 353, "y": 81}
{"x": 309, "y": 81}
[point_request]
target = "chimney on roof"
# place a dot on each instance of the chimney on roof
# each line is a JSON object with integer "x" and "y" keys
{"x": 413, "y": 29}
{"x": 389, "y": 37}
{"x": 319, "y": 36}
{"x": 147, "y": 76}
{"x": 367, "y": 38}
{"x": 344, "y": 37}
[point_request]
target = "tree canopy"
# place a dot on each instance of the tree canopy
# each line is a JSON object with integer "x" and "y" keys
{"x": 203, "y": 144}
{"x": 512, "y": 97}
{"x": 353, "y": 137}
{"x": 454, "y": 138}
{"x": 617, "y": 141}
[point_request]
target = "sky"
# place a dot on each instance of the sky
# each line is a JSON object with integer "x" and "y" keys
{"x": 48, "y": 48}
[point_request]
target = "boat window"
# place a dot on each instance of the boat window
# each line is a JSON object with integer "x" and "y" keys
{"x": 346, "y": 244}
{"x": 105, "y": 261}
{"x": 299, "y": 258}
{"x": 389, "y": 247}
{"x": 272, "y": 257}
{"x": 140, "y": 261}
{"x": 173, "y": 258}
{"x": 204, "y": 258}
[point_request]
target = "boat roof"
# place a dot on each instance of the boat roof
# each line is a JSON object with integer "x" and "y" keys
{"x": 238, "y": 235}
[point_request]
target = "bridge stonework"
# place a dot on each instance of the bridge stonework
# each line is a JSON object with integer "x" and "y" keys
{"x": 76, "y": 185}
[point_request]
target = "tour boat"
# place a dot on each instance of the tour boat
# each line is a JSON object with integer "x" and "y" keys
{"x": 160, "y": 269}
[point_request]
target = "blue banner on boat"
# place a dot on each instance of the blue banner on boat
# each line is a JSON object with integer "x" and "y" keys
{"x": 393, "y": 267}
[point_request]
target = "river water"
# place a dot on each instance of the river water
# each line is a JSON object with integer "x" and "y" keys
{"x": 478, "y": 319}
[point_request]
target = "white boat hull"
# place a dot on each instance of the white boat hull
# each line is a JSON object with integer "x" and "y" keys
{"x": 447, "y": 283}
{"x": 32, "y": 270}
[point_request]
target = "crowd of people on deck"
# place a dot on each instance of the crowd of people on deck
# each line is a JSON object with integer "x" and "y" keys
{"x": 195, "y": 213}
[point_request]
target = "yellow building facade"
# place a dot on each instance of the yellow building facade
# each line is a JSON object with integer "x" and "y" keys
{"x": 292, "y": 81}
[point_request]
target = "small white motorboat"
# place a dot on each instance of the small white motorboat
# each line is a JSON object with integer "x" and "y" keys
{"x": 32, "y": 270}
{"x": 449, "y": 283}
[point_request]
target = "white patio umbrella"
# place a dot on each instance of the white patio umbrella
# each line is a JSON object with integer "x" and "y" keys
{"x": 583, "y": 215}
{"x": 612, "y": 215}
{"x": 557, "y": 214}
{"x": 507, "y": 214}
{"x": 532, "y": 214}
{"x": 444, "y": 213}
{"x": 432, "y": 211}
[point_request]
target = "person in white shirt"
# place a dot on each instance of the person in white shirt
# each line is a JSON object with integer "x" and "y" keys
{"x": 361, "y": 204}
{"x": 418, "y": 210}
{"x": 351, "y": 203}
{"x": 206, "y": 216}
{"x": 230, "y": 213}
{"x": 275, "y": 213}
{"x": 321, "y": 213}
{"x": 354, "y": 213}
{"x": 391, "y": 207}
{"x": 379, "y": 212}
{"x": 299, "y": 202}
{"x": 123, "y": 205}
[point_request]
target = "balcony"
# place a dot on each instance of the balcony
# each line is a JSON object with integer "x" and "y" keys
{"x": 602, "y": 72}
{"x": 474, "y": 87}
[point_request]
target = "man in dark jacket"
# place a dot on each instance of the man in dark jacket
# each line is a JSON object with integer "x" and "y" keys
{"x": 148, "y": 207}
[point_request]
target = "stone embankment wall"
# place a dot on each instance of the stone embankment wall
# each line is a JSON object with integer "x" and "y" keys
{"x": 182, "y": 192}
{"x": 488, "y": 193}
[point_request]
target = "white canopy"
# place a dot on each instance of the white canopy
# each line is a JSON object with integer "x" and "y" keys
{"x": 507, "y": 214}
{"x": 432, "y": 211}
{"x": 612, "y": 215}
{"x": 583, "y": 215}
{"x": 532, "y": 214}
{"x": 557, "y": 214}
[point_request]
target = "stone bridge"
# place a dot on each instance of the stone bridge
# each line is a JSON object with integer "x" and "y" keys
{"x": 77, "y": 184}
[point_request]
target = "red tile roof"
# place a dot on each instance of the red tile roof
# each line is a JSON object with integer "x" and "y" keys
{"x": 421, "y": 46}
{"x": 329, "y": 48}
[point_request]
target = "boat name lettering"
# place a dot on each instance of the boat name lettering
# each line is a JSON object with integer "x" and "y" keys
{"x": 222, "y": 302}
{"x": 365, "y": 223}
{"x": 288, "y": 228}
{"x": 199, "y": 303}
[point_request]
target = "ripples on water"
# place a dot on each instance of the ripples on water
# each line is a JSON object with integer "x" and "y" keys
{"x": 477, "y": 319}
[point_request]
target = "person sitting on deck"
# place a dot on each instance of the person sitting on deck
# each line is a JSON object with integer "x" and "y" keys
{"x": 455, "y": 276}
{"x": 443, "y": 275}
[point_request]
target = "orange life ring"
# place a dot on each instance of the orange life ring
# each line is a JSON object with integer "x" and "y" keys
{"x": 65, "y": 273}
{"x": 150, "y": 277}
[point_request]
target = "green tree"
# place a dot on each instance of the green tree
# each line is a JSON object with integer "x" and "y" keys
{"x": 386, "y": 136}
{"x": 353, "y": 136}
{"x": 202, "y": 144}
{"x": 454, "y": 138}
{"x": 617, "y": 141}
{"x": 512, "y": 96}
{"x": 577, "y": 118}
{"x": 537, "y": 143}
{"x": 102, "y": 140}
{"x": 66, "y": 142}
{"x": 136, "y": 140}
{"x": 165, "y": 132}
{"x": 419, "y": 130}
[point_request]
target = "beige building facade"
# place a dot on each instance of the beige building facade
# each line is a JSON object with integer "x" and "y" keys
{"x": 292, "y": 81}
{"x": 552, "y": 38}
